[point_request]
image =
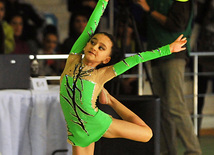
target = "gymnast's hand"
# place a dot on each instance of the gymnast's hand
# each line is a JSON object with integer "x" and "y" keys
{"x": 178, "y": 44}
{"x": 104, "y": 97}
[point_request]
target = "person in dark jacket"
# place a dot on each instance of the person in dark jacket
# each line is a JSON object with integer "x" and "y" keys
{"x": 167, "y": 19}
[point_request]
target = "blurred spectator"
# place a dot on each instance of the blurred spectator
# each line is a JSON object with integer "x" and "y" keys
{"x": 21, "y": 46}
{"x": 128, "y": 15}
{"x": 1, "y": 39}
{"x": 126, "y": 42}
{"x": 9, "y": 42}
{"x": 76, "y": 5}
{"x": 80, "y": 5}
{"x": 31, "y": 21}
{"x": 81, "y": 8}
{"x": 89, "y": 3}
{"x": 77, "y": 23}
{"x": 205, "y": 39}
{"x": 129, "y": 9}
{"x": 166, "y": 21}
{"x": 125, "y": 36}
{"x": 49, "y": 46}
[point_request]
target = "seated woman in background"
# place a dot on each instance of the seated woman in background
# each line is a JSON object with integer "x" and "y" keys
{"x": 21, "y": 47}
{"x": 49, "y": 46}
{"x": 77, "y": 23}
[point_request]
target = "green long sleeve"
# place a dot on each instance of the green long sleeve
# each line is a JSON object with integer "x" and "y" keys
{"x": 90, "y": 28}
{"x": 132, "y": 61}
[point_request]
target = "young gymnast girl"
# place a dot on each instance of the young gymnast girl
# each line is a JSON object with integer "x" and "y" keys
{"x": 81, "y": 83}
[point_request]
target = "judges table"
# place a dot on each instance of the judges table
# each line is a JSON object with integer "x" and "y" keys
{"x": 31, "y": 122}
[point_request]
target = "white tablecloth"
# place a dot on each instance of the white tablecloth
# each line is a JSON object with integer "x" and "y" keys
{"x": 31, "y": 122}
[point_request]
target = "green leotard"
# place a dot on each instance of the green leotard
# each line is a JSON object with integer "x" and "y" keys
{"x": 81, "y": 84}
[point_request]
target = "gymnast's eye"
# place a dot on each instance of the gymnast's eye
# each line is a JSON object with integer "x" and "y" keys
{"x": 101, "y": 48}
{"x": 92, "y": 42}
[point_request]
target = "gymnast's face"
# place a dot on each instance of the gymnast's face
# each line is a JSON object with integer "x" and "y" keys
{"x": 98, "y": 49}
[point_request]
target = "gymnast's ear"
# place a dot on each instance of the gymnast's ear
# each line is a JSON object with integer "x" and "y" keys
{"x": 106, "y": 60}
